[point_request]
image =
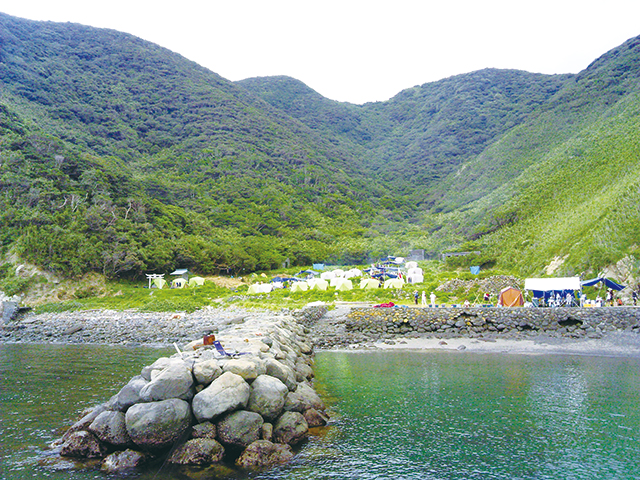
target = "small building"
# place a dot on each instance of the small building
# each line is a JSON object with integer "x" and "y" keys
{"x": 182, "y": 272}
{"x": 416, "y": 255}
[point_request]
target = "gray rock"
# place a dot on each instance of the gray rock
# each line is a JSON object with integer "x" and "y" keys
{"x": 282, "y": 372}
{"x": 206, "y": 371}
{"x": 157, "y": 366}
{"x": 129, "y": 394}
{"x": 303, "y": 399}
{"x": 174, "y": 381}
{"x": 86, "y": 420}
{"x": 267, "y": 431}
{"x": 304, "y": 372}
{"x": 290, "y": 428}
{"x": 263, "y": 453}
{"x": 123, "y": 460}
{"x": 240, "y": 428}
{"x": 9, "y": 311}
{"x": 226, "y": 393}
{"x": 157, "y": 425}
{"x": 110, "y": 427}
{"x": 198, "y": 451}
{"x": 204, "y": 430}
{"x": 248, "y": 368}
{"x": 315, "y": 418}
{"x": 83, "y": 444}
{"x": 267, "y": 396}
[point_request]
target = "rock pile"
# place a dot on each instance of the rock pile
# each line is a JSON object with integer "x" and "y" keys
{"x": 362, "y": 326}
{"x": 492, "y": 285}
{"x": 204, "y": 405}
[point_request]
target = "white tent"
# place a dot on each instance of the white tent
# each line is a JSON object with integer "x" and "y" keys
{"x": 196, "y": 281}
{"x": 300, "y": 287}
{"x": 552, "y": 284}
{"x": 354, "y": 272}
{"x": 338, "y": 272}
{"x": 414, "y": 271}
{"x": 259, "y": 288}
{"x": 318, "y": 284}
{"x": 394, "y": 283}
{"x": 327, "y": 275}
{"x": 344, "y": 284}
{"x": 415, "y": 278}
{"x": 369, "y": 283}
{"x": 410, "y": 265}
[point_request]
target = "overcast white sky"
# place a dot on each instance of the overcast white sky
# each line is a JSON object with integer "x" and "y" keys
{"x": 361, "y": 51}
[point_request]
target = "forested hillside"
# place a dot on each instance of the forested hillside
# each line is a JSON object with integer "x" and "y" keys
{"x": 121, "y": 157}
{"x": 257, "y": 184}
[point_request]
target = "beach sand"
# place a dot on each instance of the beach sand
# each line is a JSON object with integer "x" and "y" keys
{"x": 614, "y": 344}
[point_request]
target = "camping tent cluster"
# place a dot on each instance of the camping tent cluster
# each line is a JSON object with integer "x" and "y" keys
{"x": 338, "y": 279}
{"x": 156, "y": 280}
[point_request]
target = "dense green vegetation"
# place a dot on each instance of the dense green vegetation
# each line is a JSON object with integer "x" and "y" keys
{"x": 120, "y": 157}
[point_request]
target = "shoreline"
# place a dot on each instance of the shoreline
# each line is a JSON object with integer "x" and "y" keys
{"x": 618, "y": 344}
{"x": 160, "y": 330}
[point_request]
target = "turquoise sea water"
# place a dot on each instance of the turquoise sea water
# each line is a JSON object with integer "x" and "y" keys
{"x": 400, "y": 415}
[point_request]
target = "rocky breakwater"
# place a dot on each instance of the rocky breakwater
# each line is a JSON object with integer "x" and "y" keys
{"x": 204, "y": 407}
{"x": 369, "y": 325}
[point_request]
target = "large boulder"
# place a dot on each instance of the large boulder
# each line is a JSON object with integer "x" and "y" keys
{"x": 263, "y": 453}
{"x": 123, "y": 460}
{"x": 267, "y": 396}
{"x": 110, "y": 427}
{"x": 129, "y": 394}
{"x": 226, "y": 393}
{"x": 204, "y": 430}
{"x": 290, "y": 428}
{"x": 303, "y": 399}
{"x": 315, "y": 418}
{"x": 206, "y": 371}
{"x": 240, "y": 428}
{"x": 282, "y": 372}
{"x": 174, "y": 381}
{"x": 303, "y": 372}
{"x": 83, "y": 444}
{"x": 248, "y": 368}
{"x": 198, "y": 451}
{"x": 85, "y": 421}
{"x": 156, "y": 367}
{"x": 157, "y": 425}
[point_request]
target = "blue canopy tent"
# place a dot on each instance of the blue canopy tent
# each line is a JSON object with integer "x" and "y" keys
{"x": 608, "y": 283}
{"x": 545, "y": 288}
{"x": 308, "y": 273}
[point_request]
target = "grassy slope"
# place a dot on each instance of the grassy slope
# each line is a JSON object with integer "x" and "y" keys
{"x": 570, "y": 175}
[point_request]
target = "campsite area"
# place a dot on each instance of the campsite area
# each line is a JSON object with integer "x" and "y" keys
{"x": 409, "y": 284}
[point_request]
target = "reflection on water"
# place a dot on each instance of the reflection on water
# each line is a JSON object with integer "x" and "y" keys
{"x": 406, "y": 415}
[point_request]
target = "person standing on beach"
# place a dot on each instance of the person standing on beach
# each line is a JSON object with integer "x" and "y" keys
{"x": 415, "y": 297}
{"x": 424, "y": 299}
{"x": 433, "y": 299}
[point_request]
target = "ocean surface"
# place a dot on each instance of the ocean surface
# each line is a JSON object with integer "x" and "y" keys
{"x": 400, "y": 415}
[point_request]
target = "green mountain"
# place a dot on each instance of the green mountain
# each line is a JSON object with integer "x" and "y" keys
{"x": 423, "y": 134}
{"x": 121, "y": 157}
{"x": 182, "y": 137}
